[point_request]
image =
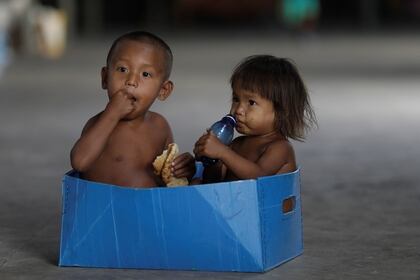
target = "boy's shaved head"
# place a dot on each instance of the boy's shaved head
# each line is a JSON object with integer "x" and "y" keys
{"x": 148, "y": 38}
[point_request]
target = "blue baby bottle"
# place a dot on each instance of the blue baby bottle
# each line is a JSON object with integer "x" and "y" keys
{"x": 224, "y": 130}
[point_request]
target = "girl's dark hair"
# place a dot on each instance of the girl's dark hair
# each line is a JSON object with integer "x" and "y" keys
{"x": 278, "y": 80}
{"x": 149, "y": 38}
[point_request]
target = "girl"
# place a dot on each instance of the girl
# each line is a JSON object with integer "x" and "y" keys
{"x": 271, "y": 105}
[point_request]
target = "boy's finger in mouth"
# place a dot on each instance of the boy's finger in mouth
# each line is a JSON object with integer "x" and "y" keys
{"x": 131, "y": 97}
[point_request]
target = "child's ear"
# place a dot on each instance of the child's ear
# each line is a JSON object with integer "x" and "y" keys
{"x": 165, "y": 90}
{"x": 104, "y": 76}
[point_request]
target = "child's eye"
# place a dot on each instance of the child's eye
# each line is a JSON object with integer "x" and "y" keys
{"x": 146, "y": 74}
{"x": 122, "y": 69}
{"x": 252, "y": 102}
{"x": 235, "y": 99}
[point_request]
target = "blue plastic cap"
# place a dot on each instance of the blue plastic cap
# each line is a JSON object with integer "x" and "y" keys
{"x": 231, "y": 119}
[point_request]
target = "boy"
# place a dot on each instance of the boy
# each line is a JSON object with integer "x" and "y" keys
{"x": 118, "y": 145}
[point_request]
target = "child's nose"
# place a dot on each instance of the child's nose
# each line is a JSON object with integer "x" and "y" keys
{"x": 237, "y": 110}
{"x": 131, "y": 80}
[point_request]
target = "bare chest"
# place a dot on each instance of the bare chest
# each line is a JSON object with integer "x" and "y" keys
{"x": 133, "y": 147}
{"x": 251, "y": 150}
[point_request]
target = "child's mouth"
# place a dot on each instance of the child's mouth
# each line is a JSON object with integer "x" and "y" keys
{"x": 239, "y": 123}
{"x": 132, "y": 98}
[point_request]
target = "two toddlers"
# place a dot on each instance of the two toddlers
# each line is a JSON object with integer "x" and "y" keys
{"x": 118, "y": 145}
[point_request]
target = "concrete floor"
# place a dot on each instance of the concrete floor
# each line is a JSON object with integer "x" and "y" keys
{"x": 360, "y": 185}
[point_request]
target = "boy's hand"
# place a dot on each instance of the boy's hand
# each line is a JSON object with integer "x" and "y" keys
{"x": 121, "y": 104}
{"x": 184, "y": 166}
{"x": 210, "y": 146}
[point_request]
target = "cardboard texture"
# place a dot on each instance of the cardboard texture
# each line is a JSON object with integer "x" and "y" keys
{"x": 247, "y": 226}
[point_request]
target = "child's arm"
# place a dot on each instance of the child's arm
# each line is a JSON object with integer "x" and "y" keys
{"x": 273, "y": 158}
{"x": 269, "y": 163}
{"x": 97, "y": 130}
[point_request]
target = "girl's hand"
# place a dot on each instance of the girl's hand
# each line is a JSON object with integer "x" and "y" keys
{"x": 121, "y": 104}
{"x": 184, "y": 166}
{"x": 210, "y": 146}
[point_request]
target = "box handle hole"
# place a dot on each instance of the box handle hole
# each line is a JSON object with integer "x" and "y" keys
{"x": 289, "y": 204}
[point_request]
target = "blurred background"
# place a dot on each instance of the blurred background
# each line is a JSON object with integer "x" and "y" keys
{"x": 359, "y": 59}
{"x": 46, "y": 26}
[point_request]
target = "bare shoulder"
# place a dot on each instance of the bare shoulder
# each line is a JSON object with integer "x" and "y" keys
{"x": 160, "y": 126}
{"x": 157, "y": 120}
{"x": 280, "y": 146}
{"x": 281, "y": 155}
{"x": 91, "y": 122}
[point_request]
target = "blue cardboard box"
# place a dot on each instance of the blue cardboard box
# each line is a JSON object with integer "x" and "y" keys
{"x": 247, "y": 225}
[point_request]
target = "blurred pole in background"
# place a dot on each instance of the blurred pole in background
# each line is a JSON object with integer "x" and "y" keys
{"x": 92, "y": 13}
{"x": 69, "y": 7}
{"x": 369, "y": 13}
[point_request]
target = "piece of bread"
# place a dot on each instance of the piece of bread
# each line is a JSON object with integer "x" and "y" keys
{"x": 166, "y": 170}
{"x": 162, "y": 165}
{"x": 159, "y": 162}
